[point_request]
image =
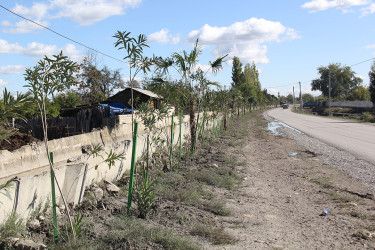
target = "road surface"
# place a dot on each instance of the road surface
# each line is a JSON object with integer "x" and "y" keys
{"x": 354, "y": 137}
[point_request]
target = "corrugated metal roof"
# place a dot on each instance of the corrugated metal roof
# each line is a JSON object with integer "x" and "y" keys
{"x": 148, "y": 92}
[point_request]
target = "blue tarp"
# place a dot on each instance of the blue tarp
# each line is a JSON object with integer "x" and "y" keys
{"x": 117, "y": 108}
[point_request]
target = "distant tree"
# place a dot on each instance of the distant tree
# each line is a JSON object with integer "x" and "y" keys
{"x": 133, "y": 84}
{"x": 343, "y": 80}
{"x": 68, "y": 99}
{"x": 359, "y": 93}
{"x": 289, "y": 98}
{"x": 308, "y": 97}
{"x": 371, "y": 75}
{"x": 97, "y": 83}
{"x": 283, "y": 99}
{"x": 248, "y": 84}
{"x": 13, "y": 106}
{"x": 237, "y": 75}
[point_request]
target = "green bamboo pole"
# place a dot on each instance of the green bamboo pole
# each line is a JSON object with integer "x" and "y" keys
{"x": 171, "y": 154}
{"x": 55, "y": 234}
{"x": 180, "y": 135}
{"x": 217, "y": 125}
{"x": 213, "y": 125}
{"x": 148, "y": 155}
{"x": 195, "y": 134}
{"x": 202, "y": 127}
{"x": 132, "y": 167}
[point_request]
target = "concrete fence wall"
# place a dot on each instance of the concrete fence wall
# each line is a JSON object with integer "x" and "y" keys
{"x": 351, "y": 104}
{"x": 74, "y": 171}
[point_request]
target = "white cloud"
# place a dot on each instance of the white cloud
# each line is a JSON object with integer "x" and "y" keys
{"x": 371, "y": 46}
{"x": 320, "y": 5}
{"x": 9, "y": 48}
{"x": 38, "y": 49}
{"x": 23, "y": 27}
{"x": 203, "y": 67}
{"x": 84, "y": 12}
{"x": 91, "y": 11}
{"x": 245, "y": 40}
{"x": 163, "y": 36}
{"x": 12, "y": 69}
{"x": 6, "y": 23}
{"x": 368, "y": 10}
{"x": 73, "y": 53}
{"x": 36, "y": 12}
{"x": 2, "y": 82}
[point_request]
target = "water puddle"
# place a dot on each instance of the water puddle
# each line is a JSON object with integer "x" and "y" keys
{"x": 274, "y": 125}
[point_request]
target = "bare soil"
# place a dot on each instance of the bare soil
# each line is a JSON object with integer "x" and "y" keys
{"x": 16, "y": 141}
{"x": 283, "y": 197}
{"x": 274, "y": 200}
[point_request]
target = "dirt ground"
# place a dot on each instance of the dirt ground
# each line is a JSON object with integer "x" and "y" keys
{"x": 16, "y": 141}
{"x": 282, "y": 199}
{"x": 248, "y": 192}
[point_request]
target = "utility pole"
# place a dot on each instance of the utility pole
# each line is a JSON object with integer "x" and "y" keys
{"x": 294, "y": 100}
{"x": 300, "y": 96}
{"x": 329, "y": 92}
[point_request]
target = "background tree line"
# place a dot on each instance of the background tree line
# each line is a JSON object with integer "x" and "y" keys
{"x": 345, "y": 85}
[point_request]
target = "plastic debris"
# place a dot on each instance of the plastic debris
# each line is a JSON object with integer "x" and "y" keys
{"x": 325, "y": 212}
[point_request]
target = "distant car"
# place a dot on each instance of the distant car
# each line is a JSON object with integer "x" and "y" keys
{"x": 285, "y": 106}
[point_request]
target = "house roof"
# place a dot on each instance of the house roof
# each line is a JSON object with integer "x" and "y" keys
{"x": 147, "y": 92}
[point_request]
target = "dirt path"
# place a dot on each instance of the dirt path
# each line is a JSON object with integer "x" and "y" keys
{"x": 245, "y": 188}
{"x": 283, "y": 196}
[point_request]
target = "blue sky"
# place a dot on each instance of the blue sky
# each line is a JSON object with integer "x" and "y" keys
{"x": 287, "y": 40}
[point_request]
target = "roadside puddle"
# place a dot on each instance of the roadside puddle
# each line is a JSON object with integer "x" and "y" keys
{"x": 274, "y": 125}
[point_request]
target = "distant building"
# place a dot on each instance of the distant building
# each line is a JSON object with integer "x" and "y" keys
{"x": 139, "y": 96}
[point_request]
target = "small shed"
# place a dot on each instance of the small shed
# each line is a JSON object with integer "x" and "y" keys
{"x": 139, "y": 95}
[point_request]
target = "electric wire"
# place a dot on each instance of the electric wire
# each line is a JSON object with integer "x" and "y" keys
{"x": 290, "y": 84}
{"x": 61, "y": 35}
{"x": 119, "y": 60}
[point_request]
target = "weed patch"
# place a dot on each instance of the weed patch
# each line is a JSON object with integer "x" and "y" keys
{"x": 12, "y": 227}
{"x": 216, "y": 236}
{"x": 323, "y": 182}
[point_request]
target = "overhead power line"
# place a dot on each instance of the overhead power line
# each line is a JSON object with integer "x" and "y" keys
{"x": 59, "y": 34}
{"x": 290, "y": 84}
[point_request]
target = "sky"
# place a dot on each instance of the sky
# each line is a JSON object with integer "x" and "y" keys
{"x": 287, "y": 40}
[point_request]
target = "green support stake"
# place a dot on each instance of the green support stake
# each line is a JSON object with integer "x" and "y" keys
{"x": 195, "y": 134}
{"x": 217, "y": 125}
{"x": 180, "y": 136}
{"x": 213, "y": 126}
{"x": 171, "y": 154}
{"x": 148, "y": 156}
{"x": 132, "y": 167}
{"x": 55, "y": 234}
{"x": 202, "y": 127}
{"x": 221, "y": 125}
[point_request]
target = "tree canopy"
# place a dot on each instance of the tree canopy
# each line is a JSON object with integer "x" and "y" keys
{"x": 343, "y": 80}
{"x": 371, "y": 75}
{"x": 97, "y": 82}
{"x": 237, "y": 76}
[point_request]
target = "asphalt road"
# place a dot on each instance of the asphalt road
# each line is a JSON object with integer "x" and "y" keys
{"x": 354, "y": 137}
